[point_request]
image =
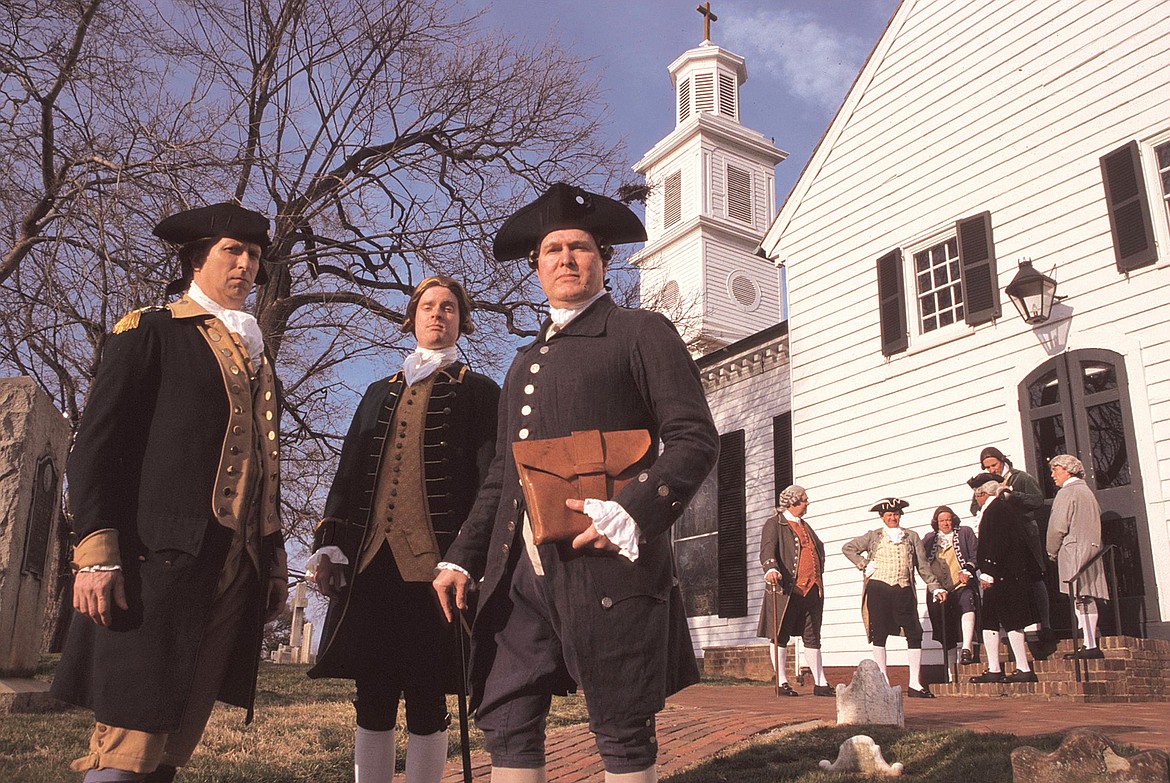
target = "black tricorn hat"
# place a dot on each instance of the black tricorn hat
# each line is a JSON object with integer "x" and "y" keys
{"x": 975, "y": 482}
{"x": 566, "y": 206}
{"x": 217, "y": 220}
{"x": 890, "y": 504}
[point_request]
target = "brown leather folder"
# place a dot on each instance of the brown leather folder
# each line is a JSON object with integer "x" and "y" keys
{"x": 588, "y": 464}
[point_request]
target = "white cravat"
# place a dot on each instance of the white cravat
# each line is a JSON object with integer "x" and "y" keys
{"x": 894, "y": 534}
{"x": 420, "y": 364}
{"x": 243, "y": 324}
{"x": 946, "y": 540}
{"x": 561, "y": 317}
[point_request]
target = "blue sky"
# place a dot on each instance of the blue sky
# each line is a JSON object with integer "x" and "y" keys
{"x": 802, "y": 56}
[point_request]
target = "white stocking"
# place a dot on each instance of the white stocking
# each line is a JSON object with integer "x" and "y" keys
{"x": 991, "y": 647}
{"x": 648, "y": 775}
{"x": 813, "y": 657}
{"x": 915, "y": 658}
{"x": 780, "y": 661}
{"x": 1020, "y": 650}
{"x": 426, "y": 757}
{"x": 879, "y": 657}
{"x": 373, "y": 756}
{"x": 968, "y": 622}
{"x": 518, "y": 775}
{"x": 1087, "y": 619}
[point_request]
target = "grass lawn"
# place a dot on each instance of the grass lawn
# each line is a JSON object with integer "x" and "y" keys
{"x": 303, "y": 733}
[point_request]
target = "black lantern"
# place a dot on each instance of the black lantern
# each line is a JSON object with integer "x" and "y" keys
{"x": 1032, "y": 293}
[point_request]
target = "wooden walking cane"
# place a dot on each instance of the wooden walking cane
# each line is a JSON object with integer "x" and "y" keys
{"x": 776, "y": 637}
{"x": 464, "y": 632}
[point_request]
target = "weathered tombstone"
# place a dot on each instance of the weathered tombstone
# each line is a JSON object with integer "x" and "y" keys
{"x": 1086, "y": 756}
{"x": 868, "y": 699}
{"x": 860, "y": 754}
{"x": 34, "y": 441}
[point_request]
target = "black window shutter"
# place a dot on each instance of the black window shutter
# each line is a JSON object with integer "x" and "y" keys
{"x": 732, "y": 526}
{"x": 891, "y": 304}
{"x": 1129, "y": 211}
{"x": 782, "y": 452}
{"x": 980, "y": 279}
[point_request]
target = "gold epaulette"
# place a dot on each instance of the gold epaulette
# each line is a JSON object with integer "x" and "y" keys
{"x": 130, "y": 320}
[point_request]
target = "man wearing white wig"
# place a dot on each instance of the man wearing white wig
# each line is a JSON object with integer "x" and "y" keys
{"x": 793, "y": 558}
{"x": 1074, "y": 537}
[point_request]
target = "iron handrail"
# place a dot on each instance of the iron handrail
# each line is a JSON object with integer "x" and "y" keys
{"x": 1080, "y": 664}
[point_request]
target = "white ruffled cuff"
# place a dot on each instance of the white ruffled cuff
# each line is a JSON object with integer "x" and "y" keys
{"x": 335, "y": 555}
{"x": 445, "y": 566}
{"x": 870, "y": 568}
{"x": 612, "y": 521}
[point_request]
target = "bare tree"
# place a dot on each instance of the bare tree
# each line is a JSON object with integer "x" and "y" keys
{"x": 386, "y": 139}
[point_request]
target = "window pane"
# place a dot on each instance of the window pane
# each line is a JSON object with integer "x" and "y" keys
{"x": 701, "y": 514}
{"x": 1098, "y": 377}
{"x": 698, "y": 574}
{"x": 922, "y": 261}
{"x": 946, "y": 318}
{"x": 940, "y": 296}
{"x": 944, "y": 299}
{"x": 1045, "y": 391}
{"x": 1107, "y": 440}
{"x": 1048, "y": 436}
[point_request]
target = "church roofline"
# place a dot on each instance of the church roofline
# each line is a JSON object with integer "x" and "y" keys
{"x": 748, "y": 343}
{"x": 717, "y": 127}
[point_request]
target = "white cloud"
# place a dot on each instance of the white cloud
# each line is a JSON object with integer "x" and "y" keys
{"x": 812, "y": 61}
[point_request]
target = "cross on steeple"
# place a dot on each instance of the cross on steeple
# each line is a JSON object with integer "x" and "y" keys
{"x": 708, "y": 18}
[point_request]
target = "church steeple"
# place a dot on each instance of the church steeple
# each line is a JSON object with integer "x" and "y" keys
{"x": 712, "y": 184}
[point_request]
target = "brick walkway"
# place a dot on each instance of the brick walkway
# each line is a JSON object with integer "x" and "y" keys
{"x": 705, "y": 719}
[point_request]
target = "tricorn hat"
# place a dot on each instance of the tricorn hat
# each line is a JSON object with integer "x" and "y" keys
{"x": 890, "y": 504}
{"x": 218, "y": 220}
{"x": 975, "y": 482}
{"x": 566, "y": 206}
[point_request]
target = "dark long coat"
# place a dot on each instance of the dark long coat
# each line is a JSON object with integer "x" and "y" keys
{"x": 609, "y": 369}
{"x": 1005, "y": 556}
{"x": 967, "y": 549}
{"x": 780, "y": 549}
{"x": 457, "y": 450}
{"x": 145, "y": 462}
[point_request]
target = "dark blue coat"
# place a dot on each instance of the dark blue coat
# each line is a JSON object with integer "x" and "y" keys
{"x": 609, "y": 369}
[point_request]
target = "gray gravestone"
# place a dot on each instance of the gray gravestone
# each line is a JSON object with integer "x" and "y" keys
{"x": 34, "y": 441}
{"x": 1086, "y": 756}
{"x": 868, "y": 699}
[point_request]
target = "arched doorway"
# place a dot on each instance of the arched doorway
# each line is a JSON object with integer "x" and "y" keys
{"x": 1078, "y": 403}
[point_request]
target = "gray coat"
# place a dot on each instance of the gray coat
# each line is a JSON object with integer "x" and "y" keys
{"x": 1074, "y": 536}
{"x": 609, "y": 369}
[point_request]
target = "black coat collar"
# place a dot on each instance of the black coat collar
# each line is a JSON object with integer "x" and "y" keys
{"x": 590, "y": 323}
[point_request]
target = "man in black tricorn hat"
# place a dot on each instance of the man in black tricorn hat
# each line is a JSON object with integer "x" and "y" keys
{"x": 173, "y": 489}
{"x": 600, "y": 610}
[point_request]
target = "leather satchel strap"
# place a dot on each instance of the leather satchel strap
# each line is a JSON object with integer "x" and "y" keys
{"x": 589, "y": 463}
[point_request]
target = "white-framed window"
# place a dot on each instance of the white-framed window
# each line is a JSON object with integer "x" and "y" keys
{"x": 939, "y": 283}
{"x": 1162, "y": 160}
{"x": 949, "y": 277}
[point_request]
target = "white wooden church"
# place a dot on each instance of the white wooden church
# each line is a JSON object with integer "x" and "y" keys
{"x": 979, "y": 135}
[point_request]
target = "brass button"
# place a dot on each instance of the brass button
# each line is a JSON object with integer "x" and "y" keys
{"x": 268, "y": 415}
{"x": 606, "y": 602}
{"x": 643, "y": 476}
{"x": 235, "y": 370}
{"x": 511, "y": 525}
{"x": 523, "y": 434}
{"x": 535, "y": 368}
{"x": 236, "y": 409}
{"x": 529, "y": 389}
{"x": 663, "y": 491}
{"x": 275, "y": 454}
{"x": 230, "y": 470}
{"x": 225, "y": 351}
{"x": 237, "y": 430}
{"x": 506, "y": 547}
{"x": 527, "y": 409}
{"x": 215, "y": 336}
{"x": 234, "y": 449}
{"x": 544, "y": 349}
{"x": 271, "y": 436}
{"x": 228, "y": 492}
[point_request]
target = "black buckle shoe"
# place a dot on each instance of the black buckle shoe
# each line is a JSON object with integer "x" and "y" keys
{"x": 823, "y": 690}
{"x": 988, "y": 676}
{"x": 786, "y": 690}
{"x": 920, "y": 693}
{"x": 1019, "y": 675}
{"x": 965, "y": 657}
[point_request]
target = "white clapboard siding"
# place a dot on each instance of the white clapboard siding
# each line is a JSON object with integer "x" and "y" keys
{"x": 1003, "y": 106}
